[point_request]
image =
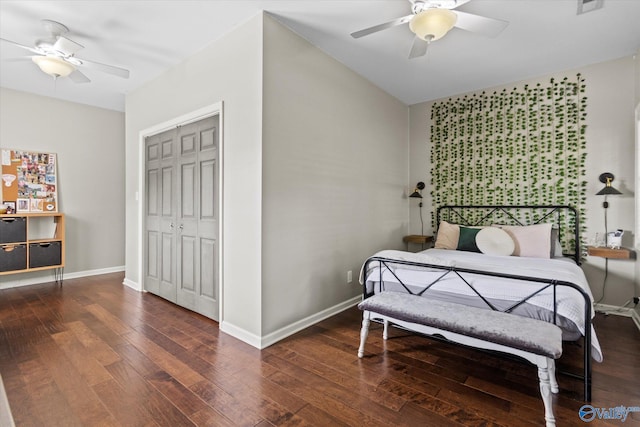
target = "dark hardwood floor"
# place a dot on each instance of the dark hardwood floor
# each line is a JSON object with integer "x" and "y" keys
{"x": 95, "y": 353}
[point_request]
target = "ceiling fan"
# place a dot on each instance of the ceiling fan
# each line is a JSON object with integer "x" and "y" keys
{"x": 432, "y": 19}
{"x": 56, "y": 55}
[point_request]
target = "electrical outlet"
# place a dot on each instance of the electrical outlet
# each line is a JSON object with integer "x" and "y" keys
{"x": 349, "y": 276}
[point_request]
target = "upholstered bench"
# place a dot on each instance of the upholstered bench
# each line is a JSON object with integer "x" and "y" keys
{"x": 534, "y": 340}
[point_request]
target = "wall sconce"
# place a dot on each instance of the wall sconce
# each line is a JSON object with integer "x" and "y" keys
{"x": 417, "y": 195}
{"x": 608, "y": 190}
{"x": 416, "y": 192}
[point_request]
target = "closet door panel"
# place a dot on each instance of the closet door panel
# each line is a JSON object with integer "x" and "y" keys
{"x": 207, "y": 190}
{"x": 152, "y": 255}
{"x": 167, "y": 263}
{"x": 188, "y": 273}
{"x": 208, "y": 288}
{"x": 152, "y": 193}
{"x": 187, "y": 186}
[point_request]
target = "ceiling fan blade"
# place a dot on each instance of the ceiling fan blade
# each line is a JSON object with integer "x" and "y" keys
{"x": 116, "y": 71}
{"x": 78, "y": 77}
{"x": 30, "y": 49}
{"x": 18, "y": 59}
{"x": 489, "y": 27}
{"x": 66, "y": 46}
{"x": 418, "y": 48}
{"x": 460, "y": 3}
{"x": 380, "y": 27}
{"x": 438, "y": 4}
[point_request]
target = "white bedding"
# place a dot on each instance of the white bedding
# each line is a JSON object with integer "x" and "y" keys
{"x": 570, "y": 303}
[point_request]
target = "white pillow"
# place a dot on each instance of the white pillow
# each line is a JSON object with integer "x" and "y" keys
{"x": 531, "y": 240}
{"x": 494, "y": 241}
{"x": 448, "y": 235}
{"x": 556, "y": 246}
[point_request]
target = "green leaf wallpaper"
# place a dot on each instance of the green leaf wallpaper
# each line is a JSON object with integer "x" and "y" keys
{"x": 525, "y": 146}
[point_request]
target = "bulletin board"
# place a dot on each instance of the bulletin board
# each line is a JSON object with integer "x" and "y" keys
{"x": 29, "y": 179}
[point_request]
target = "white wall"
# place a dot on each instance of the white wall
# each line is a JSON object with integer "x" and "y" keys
{"x": 228, "y": 70}
{"x": 610, "y": 147}
{"x": 89, "y": 143}
{"x": 334, "y": 168}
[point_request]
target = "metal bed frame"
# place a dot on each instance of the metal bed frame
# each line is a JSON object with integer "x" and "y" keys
{"x": 386, "y": 263}
{"x": 460, "y": 215}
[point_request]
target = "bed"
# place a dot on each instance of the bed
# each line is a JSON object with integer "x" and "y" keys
{"x": 544, "y": 283}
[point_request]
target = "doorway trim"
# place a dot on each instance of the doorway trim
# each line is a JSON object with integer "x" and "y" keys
{"x": 193, "y": 116}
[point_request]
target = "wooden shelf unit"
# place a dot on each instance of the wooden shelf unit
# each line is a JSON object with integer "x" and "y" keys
{"x": 604, "y": 252}
{"x": 42, "y": 242}
{"x": 424, "y": 241}
{"x": 416, "y": 238}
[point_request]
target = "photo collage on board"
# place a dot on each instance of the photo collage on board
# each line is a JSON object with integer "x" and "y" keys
{"x": 29, "y": 180}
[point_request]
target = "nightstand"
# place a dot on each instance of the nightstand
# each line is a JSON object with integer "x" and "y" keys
{"x": 604, "y": 252}
{"x": 417, "y": 239}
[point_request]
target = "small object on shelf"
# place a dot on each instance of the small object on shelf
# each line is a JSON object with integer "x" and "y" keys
{"x": 604, "y": 252}
{"x": 615, "y": 239}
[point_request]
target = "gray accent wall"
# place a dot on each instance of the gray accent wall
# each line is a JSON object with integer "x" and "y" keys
{"x": 89, "y": 143}
{"x": 334, "y": 177}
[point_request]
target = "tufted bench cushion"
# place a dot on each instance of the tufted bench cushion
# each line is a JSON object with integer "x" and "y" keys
{"x": 526, "y": 334}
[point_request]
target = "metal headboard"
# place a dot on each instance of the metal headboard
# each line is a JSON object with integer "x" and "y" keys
{"x": 565, "y": 217}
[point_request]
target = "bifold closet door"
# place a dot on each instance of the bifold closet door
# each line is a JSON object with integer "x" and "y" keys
{"x": 182, "y": 205}
{"x": 197, "y": 234}
{"x": 160, "y": 225}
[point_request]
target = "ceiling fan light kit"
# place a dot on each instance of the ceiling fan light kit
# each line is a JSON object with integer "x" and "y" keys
{"x": 54, "y": 66}
{"x": 55, "y": 55}
{"x": 432, "y": 19}
{"x": 433, "y": 24}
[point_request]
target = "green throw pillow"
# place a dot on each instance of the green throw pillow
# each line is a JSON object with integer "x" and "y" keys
{"x": 467, "y": 240}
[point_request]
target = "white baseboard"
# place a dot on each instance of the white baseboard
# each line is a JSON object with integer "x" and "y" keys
{"x": 133, "y": 285}
{"x": 636, "y": 318}
{"x": 17, "y": 280}
{"x": 291, "y": 329}
{"x": 240, "y": 333}
{"x": 272, "y": 338}
{"x": 619, "y": 311}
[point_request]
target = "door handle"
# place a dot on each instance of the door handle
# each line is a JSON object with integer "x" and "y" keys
{"x": 171, "y": 226}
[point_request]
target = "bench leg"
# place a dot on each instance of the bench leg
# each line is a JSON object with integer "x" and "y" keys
{"x": 385, "y": 329}
{"x": 545, "y": 391}
{"x": 552, "y": 377}
{"x": 364, "y": 332}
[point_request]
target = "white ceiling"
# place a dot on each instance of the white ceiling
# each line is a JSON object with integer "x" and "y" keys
{"x": 148, "y": 37}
